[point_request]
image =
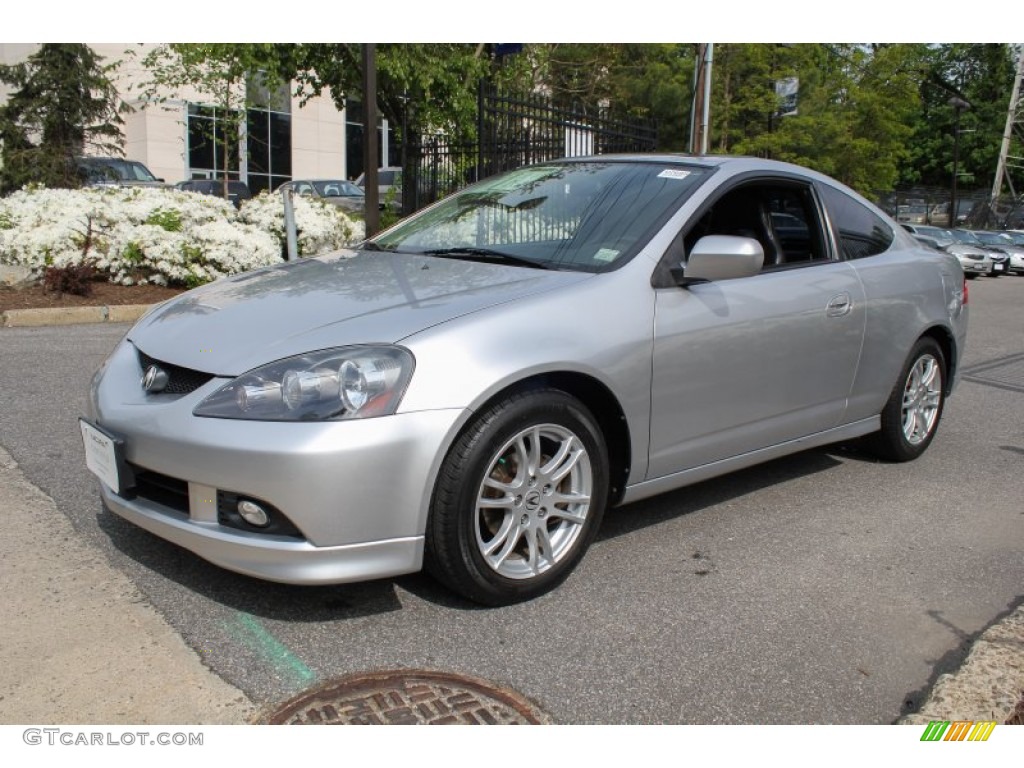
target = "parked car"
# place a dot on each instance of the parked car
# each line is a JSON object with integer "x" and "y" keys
{"x": 238, "y": 191}
{"x": 1003, "y": 242}
{"x": 470, "y": 389}
{"x": 995, "y": 253}
{"x": 913, "y": 213}
{"x": 388, "y": 179}
{"x": 973, "y": 259}
{"x": 344, "y": 194}
{"x": 943, "y": 237}
{"x": 1016, "y": 262}
{"x": 116, "y": 171}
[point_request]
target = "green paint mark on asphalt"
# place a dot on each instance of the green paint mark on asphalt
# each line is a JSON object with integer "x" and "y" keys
{"x": 248, "y": 630}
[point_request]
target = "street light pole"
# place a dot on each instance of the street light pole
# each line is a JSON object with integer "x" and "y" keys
{"x": 958, "y": 105}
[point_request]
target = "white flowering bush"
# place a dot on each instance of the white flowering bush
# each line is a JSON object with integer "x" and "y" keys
{"x": 320, "y": 225}
{"x": 162, "y": 236}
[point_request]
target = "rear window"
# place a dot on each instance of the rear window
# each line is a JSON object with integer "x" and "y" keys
{"x": 860, "y": 232}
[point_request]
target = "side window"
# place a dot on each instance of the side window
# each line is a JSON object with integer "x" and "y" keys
{"x": 859, "y": 230}
{"x": 781, "y": 216}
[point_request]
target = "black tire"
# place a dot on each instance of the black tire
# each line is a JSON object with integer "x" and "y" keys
{"x": 912, "y": 413}
{"x": 971, "y": 275}
{"x": 538, "y": 520}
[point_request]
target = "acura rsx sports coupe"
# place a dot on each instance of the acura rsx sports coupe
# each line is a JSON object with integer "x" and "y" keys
{"x": 469, "y": 390}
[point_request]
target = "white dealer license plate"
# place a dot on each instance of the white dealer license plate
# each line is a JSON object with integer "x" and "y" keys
{"x": 101, "y": 452}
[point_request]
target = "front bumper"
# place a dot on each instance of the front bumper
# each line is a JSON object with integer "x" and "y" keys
{"x": 357, "y": 492}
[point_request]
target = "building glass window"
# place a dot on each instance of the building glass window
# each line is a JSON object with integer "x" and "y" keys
{"x": 268, "y": 134}
{"x": 212, "y": 138}
{"x": 269, "y": 145}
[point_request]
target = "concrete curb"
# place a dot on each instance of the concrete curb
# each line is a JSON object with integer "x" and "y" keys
{"x": 80, "y": 644}
{"x": 989, "y": 683}
{"x": 22, "y": 318}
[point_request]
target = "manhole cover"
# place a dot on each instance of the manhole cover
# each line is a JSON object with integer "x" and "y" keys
{"x": 1004, "y": 373}
{"x": 407, "y": 697}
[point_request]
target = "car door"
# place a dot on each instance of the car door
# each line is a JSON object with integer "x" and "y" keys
{"x": 747, "y": 363}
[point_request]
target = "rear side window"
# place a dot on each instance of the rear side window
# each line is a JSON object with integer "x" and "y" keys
{"x": 859, "y": 230}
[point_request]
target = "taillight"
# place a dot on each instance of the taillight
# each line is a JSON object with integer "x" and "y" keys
{"x": 964, "y": 302}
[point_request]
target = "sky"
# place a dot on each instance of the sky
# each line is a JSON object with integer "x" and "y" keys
{"x": 783, "y": 21}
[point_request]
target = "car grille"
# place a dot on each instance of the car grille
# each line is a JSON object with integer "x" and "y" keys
{"x": 180, "y": 381}
{"x": 172, "y": 493}
{"x": 161, "y": 489}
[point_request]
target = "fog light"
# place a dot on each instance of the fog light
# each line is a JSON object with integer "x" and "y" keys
{"x": 253, "y": 513}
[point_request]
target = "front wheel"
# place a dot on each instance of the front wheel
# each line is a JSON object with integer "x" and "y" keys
{"x": 911, "y": 415}
{"x": 519, "y": 499}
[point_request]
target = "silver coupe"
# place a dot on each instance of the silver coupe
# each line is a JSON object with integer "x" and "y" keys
{"x": 469, "y": 390}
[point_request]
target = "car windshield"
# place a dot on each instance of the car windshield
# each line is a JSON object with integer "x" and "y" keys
{"x": 339, "y": 188}
{"x": 118, "y": 170}
{"x": 963, "y": 236}
{"x": 991, "y": 238}
{"x": 585, "y": 216}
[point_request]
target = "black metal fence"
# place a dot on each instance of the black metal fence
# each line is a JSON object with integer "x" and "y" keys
{"x": 513, "y": 131}
{"x": 930, "y": 205}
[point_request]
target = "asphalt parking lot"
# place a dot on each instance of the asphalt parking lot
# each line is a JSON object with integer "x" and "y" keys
{"x": 824, "y": 587}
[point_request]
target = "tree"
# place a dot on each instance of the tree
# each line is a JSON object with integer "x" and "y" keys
{"x": 981, "y": 74}
{"x": 221, "y": 74}
{"x": 426, "y": 86}
{"x": 63, "y": 104}
{"x": 651, "y": 82}
{"x": 856, "y": 104}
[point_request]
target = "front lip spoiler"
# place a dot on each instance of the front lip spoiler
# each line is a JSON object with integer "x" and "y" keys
{"x": 272, "y": 558}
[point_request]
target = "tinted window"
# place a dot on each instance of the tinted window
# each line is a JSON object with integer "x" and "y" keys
{"x": 859, "y": 230}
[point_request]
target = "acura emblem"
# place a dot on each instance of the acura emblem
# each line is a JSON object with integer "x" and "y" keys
{"x": 154, "y": 379}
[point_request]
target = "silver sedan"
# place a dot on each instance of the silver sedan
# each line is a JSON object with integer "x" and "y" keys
{"x": 469, "y": 390}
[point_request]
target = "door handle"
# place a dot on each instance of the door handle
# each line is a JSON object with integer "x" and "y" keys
{"x": 839, "y": 305}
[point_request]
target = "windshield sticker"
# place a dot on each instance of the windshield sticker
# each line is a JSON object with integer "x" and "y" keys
{"x": 673, "y": 174}
{"x": 606, "y": 254}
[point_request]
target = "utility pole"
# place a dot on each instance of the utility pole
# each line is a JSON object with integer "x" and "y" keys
{"x": 958, "y": 105}
{"x": 700, "y": 107}
{"x": 1014, "y": 119}
{"x": 371, "y": 190}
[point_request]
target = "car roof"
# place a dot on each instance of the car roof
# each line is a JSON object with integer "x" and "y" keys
{"x": 734, "y": 163}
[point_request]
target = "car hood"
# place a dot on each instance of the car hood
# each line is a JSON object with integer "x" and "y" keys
{"x": 236, "y": 324}
{"x": 963, "y": 249}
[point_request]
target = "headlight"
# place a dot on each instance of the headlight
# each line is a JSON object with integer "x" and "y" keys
{"x": 345, "y": 383}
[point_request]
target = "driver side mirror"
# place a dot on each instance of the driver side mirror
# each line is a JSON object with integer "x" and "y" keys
{"x": 720, "y": 257}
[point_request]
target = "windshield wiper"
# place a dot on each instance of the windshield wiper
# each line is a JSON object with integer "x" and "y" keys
{"x": 369, "y": 245}
{"x": 486, "y": 254}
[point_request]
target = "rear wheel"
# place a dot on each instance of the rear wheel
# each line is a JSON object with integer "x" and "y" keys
{"x": 518, "y": 499}
{"x": 911, "y": 415}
